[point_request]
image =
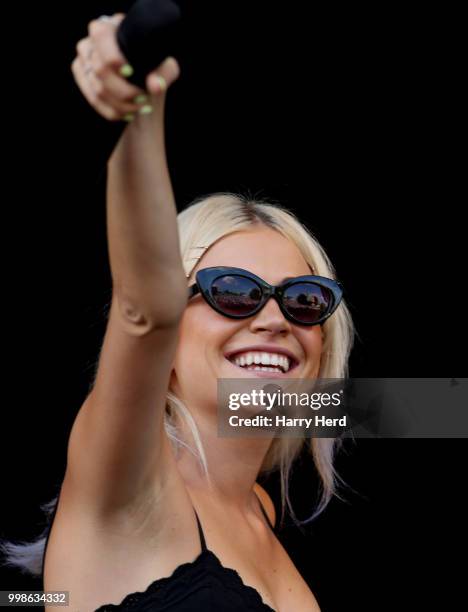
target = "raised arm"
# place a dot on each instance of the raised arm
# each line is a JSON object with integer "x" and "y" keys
{"x": 118, "y": 451}
{"x": 148, "y": 279}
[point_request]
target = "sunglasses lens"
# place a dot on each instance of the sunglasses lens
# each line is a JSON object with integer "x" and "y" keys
{"x": 307, "y": 302}
{"x": 236, "y": 295}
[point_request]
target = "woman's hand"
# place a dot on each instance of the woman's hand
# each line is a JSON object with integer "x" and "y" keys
{"x": 100, "y": 71}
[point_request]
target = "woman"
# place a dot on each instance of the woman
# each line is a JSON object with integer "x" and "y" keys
{"x": 156, "y": 512}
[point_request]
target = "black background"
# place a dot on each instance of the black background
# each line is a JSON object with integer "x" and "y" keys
{"x": 345, "y": 114}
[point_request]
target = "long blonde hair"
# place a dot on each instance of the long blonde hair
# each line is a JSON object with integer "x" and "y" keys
{"x": 205, "y": 221}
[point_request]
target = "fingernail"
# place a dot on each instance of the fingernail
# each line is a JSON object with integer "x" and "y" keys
{"x": 140, "y": 99}
{"x": 172, "y": 60}
{"x": 146, "y": 110}
{"x": 162, "y": 82}
{"x": 175, "y": 67}
{"x": 128, "y": 117}
{"x": 126, "y": 70}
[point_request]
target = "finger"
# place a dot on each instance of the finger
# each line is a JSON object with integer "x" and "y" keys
{"x": 106, "y": 92}
{"x": 103, "y": 37}
{"x": 112, "y": 90}
{"x": 118, "y": 87}
{"x": 116, "y": 18}
{"x": 108, "y": 59}
{"x": 165, "y": 74}
{"x": 89, "y": 93}
{"x": 85, "y": 48}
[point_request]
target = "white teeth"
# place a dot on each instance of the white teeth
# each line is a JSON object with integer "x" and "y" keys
{"x": 280, "y": 363}
{"x": 264, "y": 369}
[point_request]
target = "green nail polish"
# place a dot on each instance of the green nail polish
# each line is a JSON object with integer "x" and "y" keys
{"x": 140, "y": 99}
{"x": 128, "y": 117}
{"x": 126, "y": 70}
{"x": 146, "y": 110}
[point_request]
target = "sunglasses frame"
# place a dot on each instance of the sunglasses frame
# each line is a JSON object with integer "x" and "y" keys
{"x": 206, "y": 276}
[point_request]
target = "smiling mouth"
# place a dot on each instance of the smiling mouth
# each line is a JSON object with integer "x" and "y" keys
{"x": 260, "y": 361}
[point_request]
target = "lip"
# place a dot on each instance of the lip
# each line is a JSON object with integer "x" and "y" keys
{"x": 264, "y": 348}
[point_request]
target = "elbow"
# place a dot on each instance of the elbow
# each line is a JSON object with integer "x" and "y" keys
{"x": 154, "y": 310}
{"x": 140, "y": 321}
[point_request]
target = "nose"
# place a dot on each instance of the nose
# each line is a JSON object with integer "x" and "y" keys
{"x": 270, "y": 319}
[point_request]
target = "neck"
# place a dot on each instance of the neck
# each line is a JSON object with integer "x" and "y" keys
{"x": 233, "y": 465}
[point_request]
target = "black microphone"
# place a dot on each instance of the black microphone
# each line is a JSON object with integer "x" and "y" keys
{"x": 147, "y": 35}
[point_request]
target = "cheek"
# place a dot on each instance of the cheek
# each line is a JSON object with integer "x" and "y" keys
{"x": 202, "y": 334}
{"x": 312, "y": 341}
{"x": 200, "y": 326}
{"x": 190, "y": 345}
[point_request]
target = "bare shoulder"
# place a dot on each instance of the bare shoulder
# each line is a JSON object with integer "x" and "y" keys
{"x": 266, "y": 502}
{"x": 101, "y": 558}
{"x": 316, "y": 607}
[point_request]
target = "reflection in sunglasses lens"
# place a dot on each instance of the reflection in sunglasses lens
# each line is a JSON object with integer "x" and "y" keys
{"x": 236, "y": 295}
{"x": 307, "y": 302}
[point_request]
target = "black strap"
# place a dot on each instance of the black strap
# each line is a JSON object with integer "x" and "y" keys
{"x": 264, "y": 513}
{"x": 200, "y": 533}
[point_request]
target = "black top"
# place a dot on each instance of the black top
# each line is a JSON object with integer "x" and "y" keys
{"x": 202, "y": 585}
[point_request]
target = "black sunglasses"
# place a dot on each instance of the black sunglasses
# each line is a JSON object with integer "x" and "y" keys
{"x": 238, "y": 294}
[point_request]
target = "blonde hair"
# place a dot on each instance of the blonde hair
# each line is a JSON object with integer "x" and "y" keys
{"x": 204, "y": 222}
